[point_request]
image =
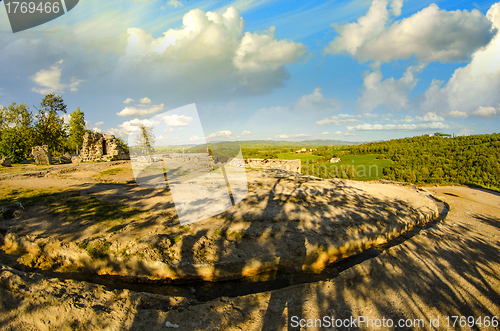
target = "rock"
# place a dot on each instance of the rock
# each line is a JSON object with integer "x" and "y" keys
{"x": 41, "y": 154}
{"x": 76, "y": 159}
{"x": 101, "y": 147}
{"x": 5, "y": 161}
{"x": 66, "y": 158}
{"x": 10, "y": 211}
{"x": 170, "y": 325}
{"x": 287, "y": 165}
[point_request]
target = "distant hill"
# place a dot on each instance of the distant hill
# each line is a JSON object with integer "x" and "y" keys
{"x": 440, "y": 159}
{"x": 317, "y": 142}
{"x": 264, "y": 143}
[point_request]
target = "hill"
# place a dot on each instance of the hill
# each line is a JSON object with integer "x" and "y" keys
{"x": 461, "y": 160}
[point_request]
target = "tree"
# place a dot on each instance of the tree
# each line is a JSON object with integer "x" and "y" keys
{"x": 49, "y": 127}
{"x": 53, "y": 103}
{"x": 76, "y": 129}
{"x": 123, "y": 145}
{"x": 16, "y": 132}
{"x": 145, "y": 140}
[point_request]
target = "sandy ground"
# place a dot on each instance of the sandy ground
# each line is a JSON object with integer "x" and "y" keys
{"x": 100, "y": 223}
{"x": 450, "y": 269}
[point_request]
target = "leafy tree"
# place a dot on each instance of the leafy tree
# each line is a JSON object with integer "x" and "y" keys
{"x": 123, "y": 145}
{"x": 53, "y": 103}
{"x": 16, "y": 132}
{"x": 49, "y": 127}
{"x": 76, "y": 129}
{"x": 145, "y": 140}
{"x": 463, "y": 160}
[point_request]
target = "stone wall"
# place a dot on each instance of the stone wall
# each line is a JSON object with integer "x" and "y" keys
{"x": 101, "y": 147}
{"x": 41, "y": 154}
{"x": 287, "y": 165}
{"x": 5, "y": 161}
{"x": 203, "y": 158}
{"x": 190, "y": 157}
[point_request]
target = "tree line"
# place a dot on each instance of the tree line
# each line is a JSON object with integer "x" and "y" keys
{"x": 21, "y": 129}
{"x": 462, "y": 160}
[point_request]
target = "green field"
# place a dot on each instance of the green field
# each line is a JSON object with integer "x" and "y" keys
{"x": 369, "y": 159}
{"x": 359, "y": 167}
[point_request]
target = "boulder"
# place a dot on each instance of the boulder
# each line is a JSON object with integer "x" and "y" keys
{"x": 66, "y": 158}
{"x": 101, "y": 147}
{"x": 11, "y": 211}
{"x": 41, "y": 154}
{"x": 5, "y": 161}
{"x": 76, "y": 159}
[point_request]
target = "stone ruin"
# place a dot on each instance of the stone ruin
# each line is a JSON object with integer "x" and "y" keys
{"x": 278, "y": 164}
{"x": 5, "y": 161}
{"x": 66, "y": 158}
{"x": 41, "y": 154}
{"x": 100, "y": 147}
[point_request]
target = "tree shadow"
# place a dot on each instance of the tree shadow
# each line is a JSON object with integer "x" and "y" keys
{"x": 452, "y": 271}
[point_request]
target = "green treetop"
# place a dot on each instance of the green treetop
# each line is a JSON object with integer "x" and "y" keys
{"x": 76, "y": 129}
{"x": 49, "y": 127}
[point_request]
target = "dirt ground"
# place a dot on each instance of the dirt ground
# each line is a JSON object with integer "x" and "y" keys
{"x": 94, "y": 218}
{"x": 449, "y": 269}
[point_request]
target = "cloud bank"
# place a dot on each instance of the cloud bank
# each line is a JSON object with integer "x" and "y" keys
{"x": 430, "y": 34}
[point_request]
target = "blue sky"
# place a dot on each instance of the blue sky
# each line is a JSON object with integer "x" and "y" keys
{"x": 358, "y": 70}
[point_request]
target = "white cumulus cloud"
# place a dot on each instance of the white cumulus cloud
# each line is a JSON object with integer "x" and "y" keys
{"x": 457, "y": 114}
{"x": 175, "y": 3}
{"x": 390, "y": 92}
{"x": 340, "y": 119}
{"x": 195, "y": 138}
{"x": 430, "y": 34}
{"x": 474, "y": 85}
{"x": 220, "y": 134}
{"x": 262, "y": 52}
{"x": 145, "y": 100}
{"x": 128, "y": 100}
{"x": 175, "y": 120}
{"x": 298, "y": 135}
{"x": 317, "y": 102}
{"x": 140, "y": 111}
{"x": 210, "y": 52}
{"x": 133, "y": 125}
{"x": 244, "y": 133}
{"x": 398, "y": 127}
{"x": 487, "y": 111}
{"x": 49, "y": 81}
{"x": 428, "y": 117}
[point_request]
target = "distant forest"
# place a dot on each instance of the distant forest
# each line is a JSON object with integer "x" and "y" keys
{"x": 437, "y": 159}
{"x": 462, "y": 160}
